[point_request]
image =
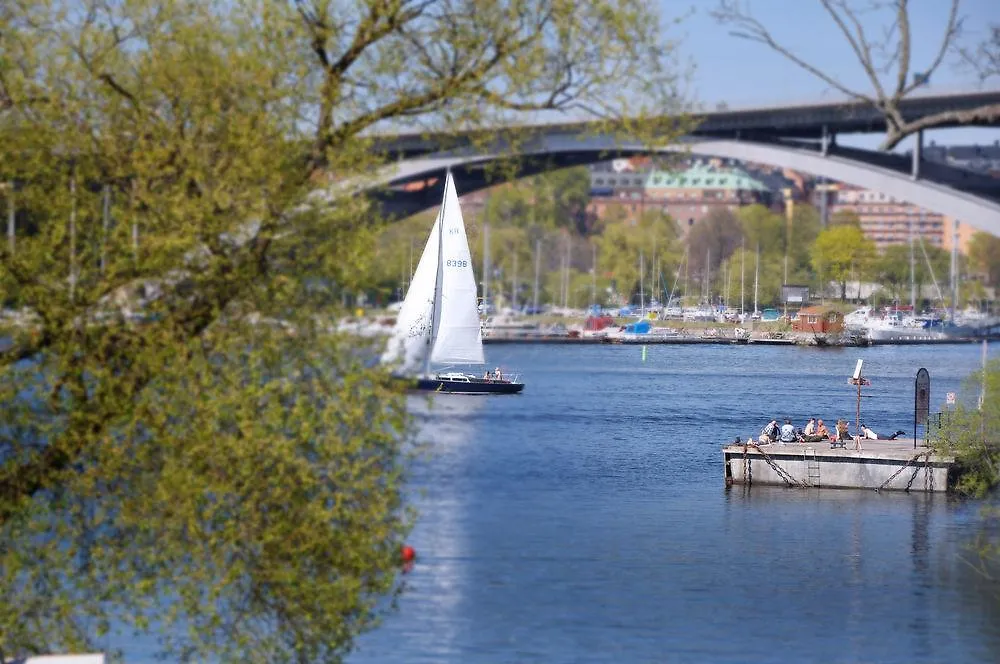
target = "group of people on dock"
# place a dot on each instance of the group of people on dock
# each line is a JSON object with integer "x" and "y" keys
{"x": 815, "y": 431}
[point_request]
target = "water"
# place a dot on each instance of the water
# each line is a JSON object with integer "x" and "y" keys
{"x": 587, "y": 520}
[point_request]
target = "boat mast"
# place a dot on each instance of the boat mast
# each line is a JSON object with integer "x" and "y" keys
{"x": 438, "y": 277}
{"x": 756, "y": 276}
{"x": 513, "y": 294}
{"x": 642, "y": 295}
{"x": 913, "y": 277}
{"x": 708, "y": 277}
{"x": 742, "y": 262}
{"x": 538, "y": 265}
{"x": 954, "y": 269}
{"x": 593, "y": 273}
{"x": 486, "y": 262}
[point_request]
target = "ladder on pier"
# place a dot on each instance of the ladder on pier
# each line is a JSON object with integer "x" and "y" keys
{"x": 812, "y": 466}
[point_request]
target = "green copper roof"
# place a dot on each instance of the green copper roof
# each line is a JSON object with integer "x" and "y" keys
{"x": 704, "y": 177}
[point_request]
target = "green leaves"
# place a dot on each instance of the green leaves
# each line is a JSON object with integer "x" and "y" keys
{"x": 185, "y": 448}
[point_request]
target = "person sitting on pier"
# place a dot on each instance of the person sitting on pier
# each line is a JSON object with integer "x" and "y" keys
{"x": 810, "y": 429}
{"x": 819, "y": 433}
{"x": 841, "y": 435}
{"x": 787, "y": 434}
{"x": 769, "y": 433}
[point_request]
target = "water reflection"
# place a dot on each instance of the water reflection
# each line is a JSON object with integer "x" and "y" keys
{"x": 446, "y": 431}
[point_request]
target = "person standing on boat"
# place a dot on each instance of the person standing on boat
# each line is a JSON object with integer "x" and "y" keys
{"x": 498, "y": 374}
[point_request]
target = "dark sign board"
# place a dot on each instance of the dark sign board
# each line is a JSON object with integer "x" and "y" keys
{"x": 922, "y": 397}
{"x": 794, "y": 294}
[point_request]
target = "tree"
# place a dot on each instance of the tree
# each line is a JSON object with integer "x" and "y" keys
{"x": 713, "y": 239}
{"x": 984, "y": 59}
{"x": 806, "y": 227}
{"x": 619, "y": 249}
{"x": 984, "y": 255}
{"x": 845, "y": 218}
{"x": 886, "y": 60}
{"x": 839, "y": 252}
{"x": 186, "y": 448}
{"x": 968, "y": 433}
{"x": 892, "y": 269}
{"x": 763, "y": 228}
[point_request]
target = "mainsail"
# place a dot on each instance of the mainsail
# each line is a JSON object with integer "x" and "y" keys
{"x": 459, "y": 335}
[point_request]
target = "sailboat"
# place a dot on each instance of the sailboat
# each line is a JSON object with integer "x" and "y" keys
{"x": 438, "y": 323}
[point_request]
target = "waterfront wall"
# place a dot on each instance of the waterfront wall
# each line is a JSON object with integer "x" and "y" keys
{"x": 809, "y": 466}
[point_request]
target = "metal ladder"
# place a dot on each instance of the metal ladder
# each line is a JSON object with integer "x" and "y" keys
{"x": 812, "y": 466}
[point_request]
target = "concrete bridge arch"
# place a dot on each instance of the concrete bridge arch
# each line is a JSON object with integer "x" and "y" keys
{"x": 968, "y": 197}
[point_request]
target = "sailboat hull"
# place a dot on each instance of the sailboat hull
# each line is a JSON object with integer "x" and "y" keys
{"x": 468, "y": 386}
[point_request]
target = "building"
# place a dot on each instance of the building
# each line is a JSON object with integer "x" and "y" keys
{"x": 887, "y": 221}
{"x": 977, "y": 158}
{"x": 688, "y": 193}
{"x": 819, "y": 320}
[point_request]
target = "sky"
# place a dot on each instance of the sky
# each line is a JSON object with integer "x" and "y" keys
{"x": 744, "y": 73}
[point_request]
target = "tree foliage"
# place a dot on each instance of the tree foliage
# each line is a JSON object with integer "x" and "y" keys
{"x": 713, "y": 240}
{"x": 841, "y": 251}
{"x": 984, "y": 256}
{"x": 185, "y": 448}
{"x": 655, "y": 237}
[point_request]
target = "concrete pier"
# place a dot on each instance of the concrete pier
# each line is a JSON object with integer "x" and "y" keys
{"x": 880, "y": 464}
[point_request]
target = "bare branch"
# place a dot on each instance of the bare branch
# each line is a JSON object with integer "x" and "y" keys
{"x": 858, "y": 40}
{"x": 747, "y": 27}
{"x": 989, "y": 113}
{"x": 952, "y": 30}
{"x": 985, "y": 58}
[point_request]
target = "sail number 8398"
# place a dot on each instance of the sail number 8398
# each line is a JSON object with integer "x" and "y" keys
{"x": 456, "y": 263}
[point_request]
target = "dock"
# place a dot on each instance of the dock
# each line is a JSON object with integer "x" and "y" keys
{"x": 881, "y": 465}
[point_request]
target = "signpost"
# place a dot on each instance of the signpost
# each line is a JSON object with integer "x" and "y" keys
{"x": 859, "y": 380}
{"x": 921, "y": 402}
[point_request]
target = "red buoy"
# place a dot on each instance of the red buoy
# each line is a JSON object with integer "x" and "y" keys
{"x": 408, "y": 553}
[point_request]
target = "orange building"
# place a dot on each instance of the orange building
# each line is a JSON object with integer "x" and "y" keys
{"x": 819, "y": 320}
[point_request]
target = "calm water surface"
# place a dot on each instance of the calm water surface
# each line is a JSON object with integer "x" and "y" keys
{"x": 587, "y": 519}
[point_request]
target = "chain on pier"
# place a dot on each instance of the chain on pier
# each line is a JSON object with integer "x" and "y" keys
{"x": 904, "y": 467}
{"x": 782, "y": 473}
{"x": 747, "y": 470}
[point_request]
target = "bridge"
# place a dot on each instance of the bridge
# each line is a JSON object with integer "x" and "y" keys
{"x": 802, "y": 138}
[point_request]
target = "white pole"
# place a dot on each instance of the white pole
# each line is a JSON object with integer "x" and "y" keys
{"x": 642, "y": 298}
{"x": 593, "y": 273}
{"x": 742, "y": 265}
{"x": 486, "y": 262}
{"x": 538, "y": 267}
{"x": 756, "y": 276}
{"x": 913, "y": 274}
{"x": 513, "y": 295}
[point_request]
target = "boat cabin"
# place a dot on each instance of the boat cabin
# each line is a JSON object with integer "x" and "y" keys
{"x": 819, "y": 320}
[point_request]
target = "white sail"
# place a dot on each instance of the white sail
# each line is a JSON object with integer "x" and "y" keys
{"x": 411, "y": 337}
{"x": 458, "y": 338}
